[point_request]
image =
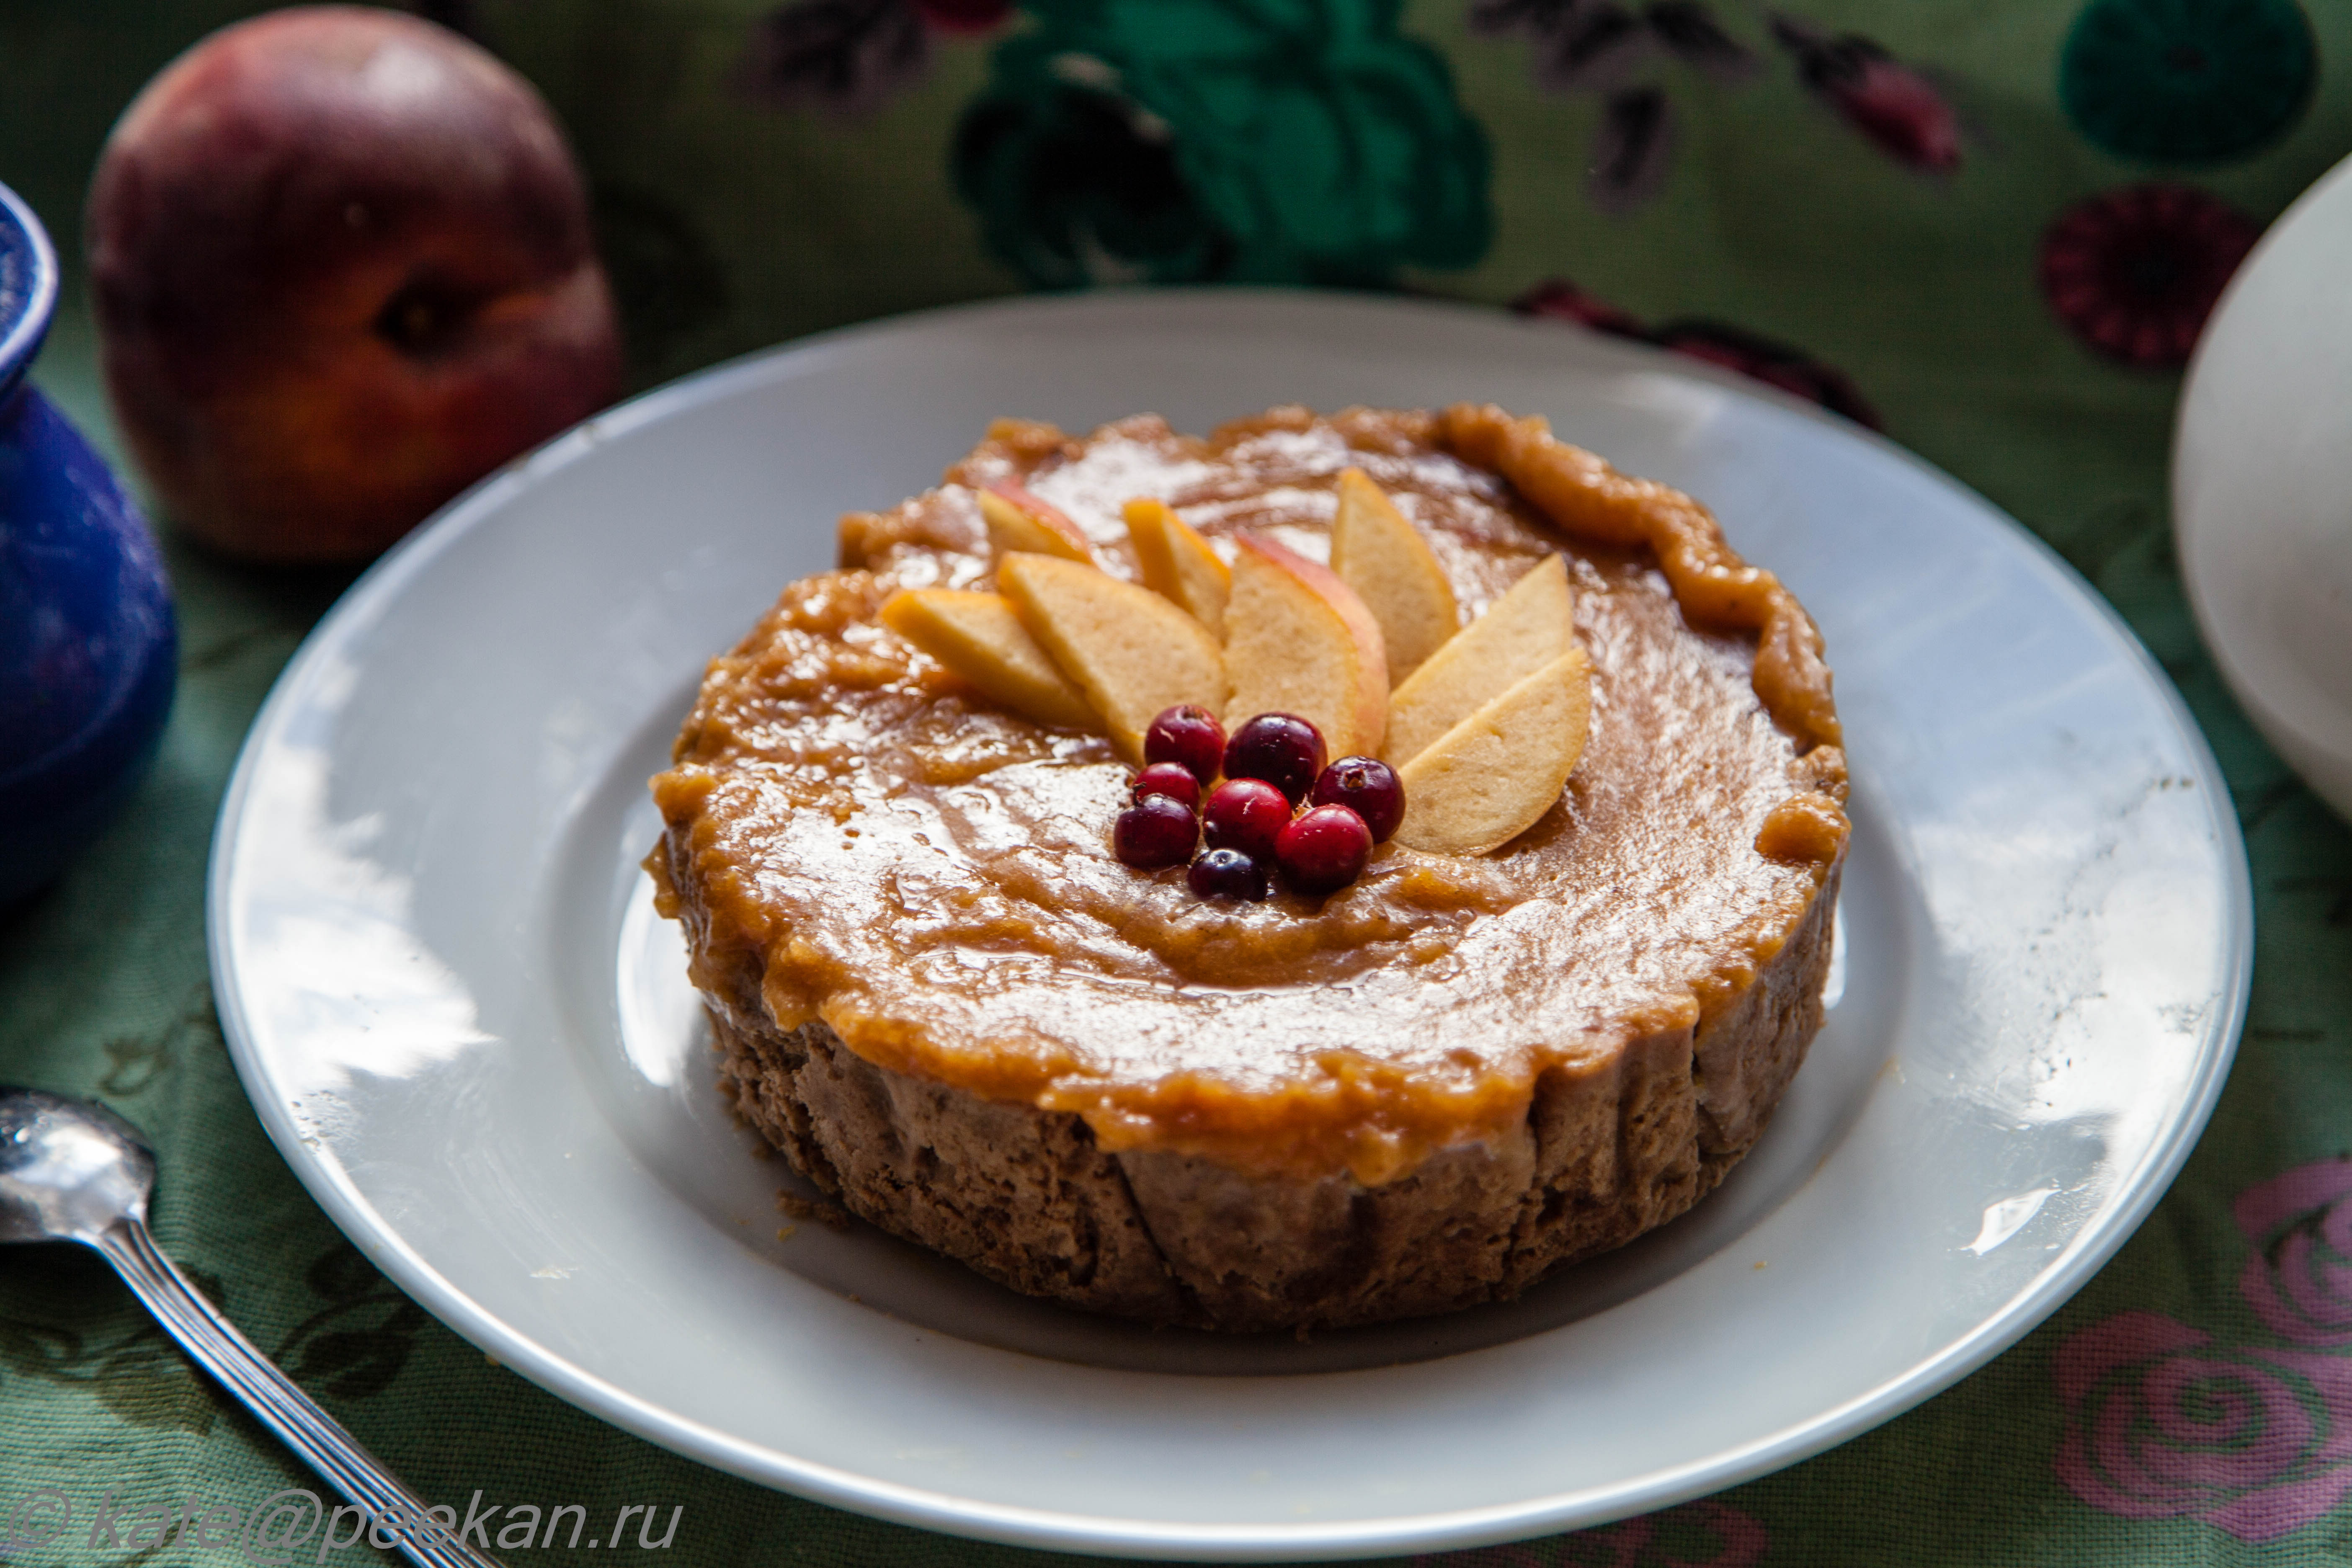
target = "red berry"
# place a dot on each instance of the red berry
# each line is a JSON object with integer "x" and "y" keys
{"x": 1189, "y": 736}
{"x": 1366, "y": 786}
{"x": 1155, "y": 832}
{"x": 1280, "y": 748}
{"x": 1174, "y": 780}
{"x": 1324, "y": 850}
{"x": 1227, "y": 874}
{"x": 1247, "y": 815}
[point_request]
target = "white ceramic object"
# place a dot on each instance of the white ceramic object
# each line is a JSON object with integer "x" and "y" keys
{"x": 2262, "y": 486}
{"x": 459, "y": 1016}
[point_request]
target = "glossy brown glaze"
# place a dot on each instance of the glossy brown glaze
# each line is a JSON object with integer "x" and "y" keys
{"x": 931, "y": 877}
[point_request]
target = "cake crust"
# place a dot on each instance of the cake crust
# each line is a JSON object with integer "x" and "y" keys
{"x": 1029, "y": 1198}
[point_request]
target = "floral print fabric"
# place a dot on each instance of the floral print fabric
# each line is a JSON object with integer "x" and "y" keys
{"x": 2135, "y": 272}
{"x": 1127, "y": 142}
{"x": 2187, "y": 81}
{"x": 1243, "y": 141}
{"x": 2298, "y": 1274}
{"x": 2165, "y": 1421}
{"x": 1992, "y": 228}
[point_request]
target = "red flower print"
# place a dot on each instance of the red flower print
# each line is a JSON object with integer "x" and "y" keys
{"x": 1562, "y": 300}
{"x": 2161, "y": 1424}
{"x": 2299, "y": 1279}
{"x": 2135, "y": 272}
{"x": 1734, "y": 348}
{"x": 1894, "y": 107}
{"x": 1772, "y": 362}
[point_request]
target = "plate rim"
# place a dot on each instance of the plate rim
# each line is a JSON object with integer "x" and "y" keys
{"x": 2142, "y": 1187}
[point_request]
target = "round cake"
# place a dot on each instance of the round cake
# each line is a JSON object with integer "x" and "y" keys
{"x": 941, "y": 994}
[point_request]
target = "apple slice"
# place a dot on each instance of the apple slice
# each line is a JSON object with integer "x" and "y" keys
{"x": 1392, "y": 568}
{"x": 1520, "y": 633}
{"x": 980, "y": 637}
{"x": 1297, "y": 640}
{"x": 1491, "y": 777}
{"x": 1178, "y": 562}
{"x": 1130, "y": 651}
{"x": 1019, "y": 520}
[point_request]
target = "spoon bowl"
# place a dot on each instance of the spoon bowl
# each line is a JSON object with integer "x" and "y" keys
{"x": 68, "y": 1169}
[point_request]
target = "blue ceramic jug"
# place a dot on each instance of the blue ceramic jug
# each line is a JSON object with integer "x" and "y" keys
{"x": 89, "y": 651}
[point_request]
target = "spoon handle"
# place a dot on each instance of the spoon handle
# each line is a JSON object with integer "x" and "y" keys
{"x": 217, "y": 1345}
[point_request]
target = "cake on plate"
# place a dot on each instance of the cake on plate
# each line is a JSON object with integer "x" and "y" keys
{"x": 1532, "y": 1021}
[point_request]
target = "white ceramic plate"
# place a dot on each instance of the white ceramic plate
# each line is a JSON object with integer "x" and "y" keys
{"x": 2262, "y": 486}
{"x": 452, "y": 1008}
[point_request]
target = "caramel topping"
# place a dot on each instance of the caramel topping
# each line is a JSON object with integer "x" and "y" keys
{"x": 1584, "y": 495}
{"x": 888, "y": 851}
{"x": 1808, "y": 828}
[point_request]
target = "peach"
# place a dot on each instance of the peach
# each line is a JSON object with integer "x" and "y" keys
{"x": 1526, "y": 629}
{"x": 1297, "y": 640}
{"x": 1380, "y": 554}
{"x": 1132, "y": 653}
{"x": 979, "y": 636}
{"x": 1177, "y": 563}
{"x": 1017, "y": 520}
{"x": 1493, "y": 776}
{"x": 342, "y": 267}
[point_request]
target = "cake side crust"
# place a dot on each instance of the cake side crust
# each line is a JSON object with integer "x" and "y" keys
{"x": 1608, "y": 1149}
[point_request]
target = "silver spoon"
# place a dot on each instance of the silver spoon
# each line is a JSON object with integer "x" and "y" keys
{"x": 70, "y": 1171}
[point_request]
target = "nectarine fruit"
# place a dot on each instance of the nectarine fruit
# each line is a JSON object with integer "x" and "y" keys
{"x": 341, "y": 265}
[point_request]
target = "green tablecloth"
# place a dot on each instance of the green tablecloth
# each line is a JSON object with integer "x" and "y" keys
{"x": 1988, "y": 224}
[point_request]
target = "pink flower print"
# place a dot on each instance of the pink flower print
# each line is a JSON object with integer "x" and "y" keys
{"x": 1894, "y": 107}
{"x": 1562, "y": 300}
{"x": 2135, "y": 272}
{"x": 1750, "y": 354}
{"x": 2160, "y": 1425}
{"x": 2299, "y": 1279}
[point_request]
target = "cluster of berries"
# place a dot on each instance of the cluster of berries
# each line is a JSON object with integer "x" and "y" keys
{"x": 1272, "y": 765}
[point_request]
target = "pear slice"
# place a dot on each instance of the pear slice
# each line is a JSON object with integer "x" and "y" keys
{"x": 1130, "y": 651}
{"x": 1178, "y": 562}
{"x": 1520, "y": 633}
{"x": 1392, "y": 568}
{"x": 1493, "y": 776}
{"x": 1297, "y": 640}
{"x": 980, "y": 637}
{"x": 1019, "y": 520}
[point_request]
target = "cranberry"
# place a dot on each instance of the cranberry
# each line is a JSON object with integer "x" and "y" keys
{"x": 1155, "y": 832}
{"x": 1280, "y": 748}
{"x": 1170, "y": 779}
{"x": 1247, "y": 815}
{"x": 1324, "y": 850}
{"x": 1189, "y": 736}
{"x": 1227, "y": 874}
{"x": 1368, "y": 787}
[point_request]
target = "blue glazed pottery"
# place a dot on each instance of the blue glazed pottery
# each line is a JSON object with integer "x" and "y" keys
{"x": 89, "y": 651}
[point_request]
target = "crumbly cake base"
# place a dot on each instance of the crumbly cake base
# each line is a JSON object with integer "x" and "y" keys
{"x": 1029, "y": 1199}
